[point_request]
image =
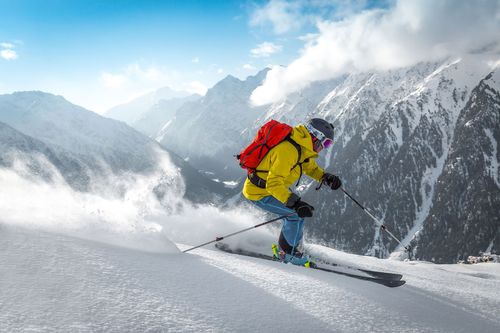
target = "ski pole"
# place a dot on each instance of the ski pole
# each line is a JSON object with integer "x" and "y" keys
{"x": 380, "y": 224}
{"x": 218, "y": 239}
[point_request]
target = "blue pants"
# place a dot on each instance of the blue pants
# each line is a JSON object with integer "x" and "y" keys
{"x": 293, "y": 225}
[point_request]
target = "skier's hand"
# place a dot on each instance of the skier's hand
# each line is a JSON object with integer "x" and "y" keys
{"x": 302, "y": 208}
{"x": 332, "y": 181}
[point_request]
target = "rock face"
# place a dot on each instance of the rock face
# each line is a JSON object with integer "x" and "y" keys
{"x": 464, "y": 218}
{"x": 398, "y": 159}
{"x": 417, "y": 146}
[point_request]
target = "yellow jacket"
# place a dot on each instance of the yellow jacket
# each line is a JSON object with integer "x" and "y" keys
{"x": 280, "y": 162}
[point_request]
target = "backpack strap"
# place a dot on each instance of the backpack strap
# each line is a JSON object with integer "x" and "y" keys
{"x": 261, "y": 183}
{"x": 299, "y": 150}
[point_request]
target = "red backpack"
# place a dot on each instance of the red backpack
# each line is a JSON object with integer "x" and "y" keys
{"x": 268, "y": 136}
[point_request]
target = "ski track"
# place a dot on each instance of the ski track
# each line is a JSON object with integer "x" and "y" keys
{"x": 56, "y": 283}
{"x": 59, "y": 283}
{"x": 341, "y": 303}
{"x": 462, "y": 286}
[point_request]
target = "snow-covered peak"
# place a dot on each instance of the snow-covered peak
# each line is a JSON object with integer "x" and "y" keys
{"x": 54, "y": 120}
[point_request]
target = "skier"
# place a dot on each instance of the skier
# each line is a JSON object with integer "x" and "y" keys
{"x": 283, "y": 165}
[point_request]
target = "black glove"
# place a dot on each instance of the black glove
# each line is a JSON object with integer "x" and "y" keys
{"x": 332, "y": 181}
{"x": 302, "y": 208}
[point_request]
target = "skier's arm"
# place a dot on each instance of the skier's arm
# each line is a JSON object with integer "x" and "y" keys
{"x": 313, "y": 170}
{"x": 282, "y": 162}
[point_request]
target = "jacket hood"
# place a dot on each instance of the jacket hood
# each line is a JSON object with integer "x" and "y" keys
{"x": 301, "y": 135}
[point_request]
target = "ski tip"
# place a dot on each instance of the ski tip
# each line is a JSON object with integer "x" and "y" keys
{"x": 395, "y": 283}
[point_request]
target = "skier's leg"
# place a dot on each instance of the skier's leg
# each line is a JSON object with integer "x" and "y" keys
{"x": 292, "y": 230}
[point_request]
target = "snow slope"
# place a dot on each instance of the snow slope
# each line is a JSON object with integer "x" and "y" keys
{"x": 52, "y": 282}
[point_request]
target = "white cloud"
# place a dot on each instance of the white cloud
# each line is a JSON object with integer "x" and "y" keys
{"x": 283, "y": 15}
{"x": 265, "y": 50}
{"x": 121, "y": 86}
{"x": 292, "y": 15}
{"x": 152, "y": 73}
{"x": 134, "y": 74}
{"x": 113, "y": 80}
{"x": 405, "y": 34}
{"x": 8, "y": 54}
{"x": 7, "y": 45}
{"x": 249, "y": 67}
{"x": 196, "y": 87}
{"x": 220, "y": 71}
{"x": 195, "y": 60}
{"x": 494, "y": 64}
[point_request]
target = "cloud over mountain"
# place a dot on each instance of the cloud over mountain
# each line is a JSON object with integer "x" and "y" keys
{"x": 379, "y": 39}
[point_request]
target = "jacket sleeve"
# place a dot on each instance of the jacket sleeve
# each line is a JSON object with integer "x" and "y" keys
{"x": 313, "y": 170}
{"x": 282, "y": 161}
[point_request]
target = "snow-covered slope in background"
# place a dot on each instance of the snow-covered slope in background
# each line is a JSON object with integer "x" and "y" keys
{"x": 90, "y": 152}
{"x": 61, "y": 165}
{"x": 466, "y": 206}
{"x": 155, "y": 119}
{"x": 57, "y": 283}
{"x": 394, "y": 145}
{"x": 57, "y": 122}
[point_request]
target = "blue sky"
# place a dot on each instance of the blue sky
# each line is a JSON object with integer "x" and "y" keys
{"x": 102, "y": 53}
{"x": 68, "y": 47}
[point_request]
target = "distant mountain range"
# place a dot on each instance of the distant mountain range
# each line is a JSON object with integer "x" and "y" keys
{"x": 134, "y": 110}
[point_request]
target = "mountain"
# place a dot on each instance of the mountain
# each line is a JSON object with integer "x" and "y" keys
{"x": 57, "y": 122}
{"x": 397, "y": 163}
{"x": 466, "y": 206}
{"x": 91, "y": 153}
{"x": 39, "y": 158}
{"x": 399, "y": 134}
{"x": 207, "y": 132}
{"x": 135, "y": 110}
{"x": 395, "y": 132}
{"x": 158, "y": 116}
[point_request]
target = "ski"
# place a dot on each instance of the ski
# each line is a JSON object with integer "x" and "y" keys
{"x": 333, "y": 269}
{"x": 377, "y": 274}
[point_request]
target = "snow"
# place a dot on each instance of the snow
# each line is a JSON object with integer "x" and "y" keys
{"x": 163, "y": 130}
{"x": 465, "y": 73}
{"x": 427, "y": 187}
{"x": 53, "y": 282}
{"x": 492, "y": 160}
{"x": 230, "y": 183}
{"x": 72, "y": 261}
{"x": 86, "y": 262}
{"x": 397, "y": 131}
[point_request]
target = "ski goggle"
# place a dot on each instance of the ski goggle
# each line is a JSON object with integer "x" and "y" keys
{"x": 325, "y": 142}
